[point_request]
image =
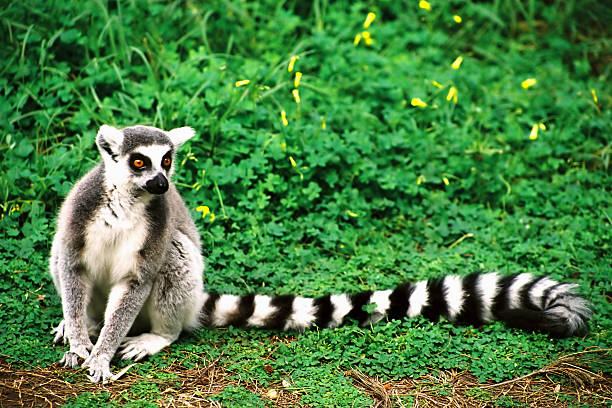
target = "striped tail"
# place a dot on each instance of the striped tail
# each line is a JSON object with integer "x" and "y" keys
{"x": 521, "y": 301}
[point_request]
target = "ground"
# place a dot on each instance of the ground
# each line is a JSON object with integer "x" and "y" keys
{"x": 340, "y": 147}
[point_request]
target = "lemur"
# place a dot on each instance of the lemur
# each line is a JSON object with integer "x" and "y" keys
{"x": 126, "y": 261}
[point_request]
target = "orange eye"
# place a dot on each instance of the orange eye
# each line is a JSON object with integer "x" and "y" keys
{"x": 166, "y": 162}
{"x": 138, "y": 163}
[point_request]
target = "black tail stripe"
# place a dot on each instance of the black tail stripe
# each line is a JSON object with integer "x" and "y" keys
{"x": 561, "y": 301}
{"x": 580, "y": 314}
{"x": 399, "y": 301}
{"x": 209, "y": 309}
{"x": 546, "y": 294}
{"x": 358, "y": 301}
{"x": 284, "y": 307}
{"x": 525, "y": 294}
{"x": 570, "y": 310}
{"x": 324, "y": 311}
{"x": 500, "y": 302}
{"x": 436, "y": 306}
{"x": 472, "y": 308}
{"x": 246, "y": 307}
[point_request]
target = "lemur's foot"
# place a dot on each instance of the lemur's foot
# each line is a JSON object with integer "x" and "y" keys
{"x": 136, "y": 348}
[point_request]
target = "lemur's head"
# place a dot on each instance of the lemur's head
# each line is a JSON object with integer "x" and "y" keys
{"x": 140, "y": 157}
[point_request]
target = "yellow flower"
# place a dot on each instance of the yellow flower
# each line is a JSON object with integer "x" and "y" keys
{"x": 203, "y": 209}
{"x": 594, "y": 95}
{"x": 323, "y": 124}
{"x": 437, "y": 84}
{"x": 528, "y": 83}
{"x": 357, "y": 39}
{"x": 369, "y": 19}
{"x": 420, "y": 180}
{"x": 367, "y": 37}
{"x": 298, "y": 77}
{"x": 542, "y": 126}
{"x": 242, "y": 82}
{"x": 457, "y": 62}
{"x": 425, "y": 5}
{"x": 284, "y": 118}
{"x": 212, "y": 217}
{"x": 351, "y": 214}
{"x": 457, "y": 19}
{"x": 452, "y": 94}
{"x": 445, "y": 180}
{"x": 418, "y": 102}
{"x": 189, "y": 156}
{"x": 292, "y": 63}
{"x": 296, "y": 95}
{"x": 534, "y": 132}
{"x": 292, "y": 161}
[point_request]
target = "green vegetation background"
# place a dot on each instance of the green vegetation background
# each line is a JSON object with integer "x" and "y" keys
{"x": 381, "y": 191}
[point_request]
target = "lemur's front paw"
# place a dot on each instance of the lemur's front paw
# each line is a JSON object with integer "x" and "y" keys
{"x": 71, "y": 358}
{"x": 60, "y": 334}
{"x": 99, "y": 369}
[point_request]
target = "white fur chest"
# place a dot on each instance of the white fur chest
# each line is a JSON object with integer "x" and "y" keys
{"x": 113, "y": 240}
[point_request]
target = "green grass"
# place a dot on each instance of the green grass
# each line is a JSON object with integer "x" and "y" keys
{"x": 381, "y": 191}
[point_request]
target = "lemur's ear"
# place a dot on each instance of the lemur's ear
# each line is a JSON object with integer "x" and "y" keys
{"x": 181, "y": 135}
{"x": 109, "y": 140}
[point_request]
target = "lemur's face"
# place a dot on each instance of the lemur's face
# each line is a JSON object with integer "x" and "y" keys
{"x": 140, "y": 157}
{"x": 150, "y": 167}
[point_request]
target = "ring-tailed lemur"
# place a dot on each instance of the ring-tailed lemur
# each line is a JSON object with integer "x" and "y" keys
{"x": 126, "y": 260}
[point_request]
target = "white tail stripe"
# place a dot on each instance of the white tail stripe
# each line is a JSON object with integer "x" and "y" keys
{"x": 418, "y": 299}
{"x": 225, "y": 307}
{"x": 342, "y": 307}
{"x": 381, "y": 298}
{"x": 302, "y": 315}
{"x": 514, "y": 291}
{"x": 263, "y": 310}
{"x": 487, "y": 287}
{"x": 453, "y": 294}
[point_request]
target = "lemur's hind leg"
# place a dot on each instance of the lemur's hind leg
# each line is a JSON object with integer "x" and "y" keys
{"x": 175, "y": 302}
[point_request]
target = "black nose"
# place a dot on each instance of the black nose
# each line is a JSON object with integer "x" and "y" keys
{"x": 157, "y": 185}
